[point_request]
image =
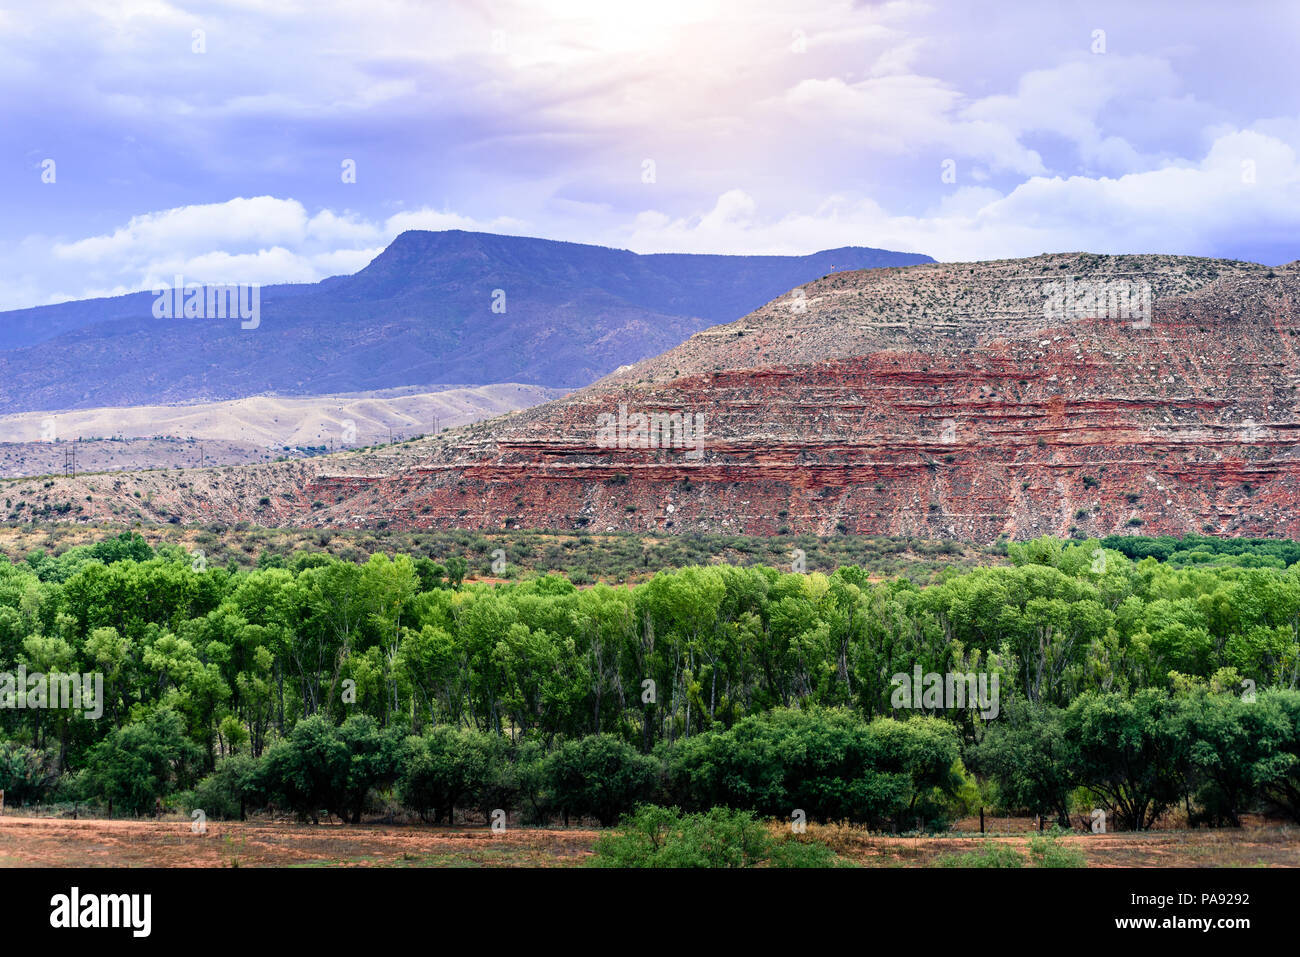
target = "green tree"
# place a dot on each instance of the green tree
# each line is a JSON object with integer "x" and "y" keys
{"x": 1133, "y": 751}
{"x": 445, "y": 768}
{"x": 1033, "y": 762}
{"x": 600, "y": 776}
{"x": 137, "y": 765}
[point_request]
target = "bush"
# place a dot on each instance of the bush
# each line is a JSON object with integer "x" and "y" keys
{"x": 26, "y": 775}
{"x": 446, "y": 767}
{"x": 1046, "y": 850}
{"x": 1031, "y": 760}
{"x": 1133, "y": 751}
{"x": 136, "y": 766}
{"x": 319, "y": 766}
{"x": 992, "y": 854}
{"x": 1236, "y": 746}
{"x": 1281, "y": 787}
{"x": 225, "y": 793}
{"x": 599, "y": 776}
{"x": 528, "y": 775}
{"x": 665, "y": 837}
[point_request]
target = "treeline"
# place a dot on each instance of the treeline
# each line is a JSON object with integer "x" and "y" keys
{"x": 1134, "y": 758}
{"x": 829, "y": 764}
{"x": 1217, "y": 755}
{"x": 1206, "y": 550}
{"x": 203, "y": 663}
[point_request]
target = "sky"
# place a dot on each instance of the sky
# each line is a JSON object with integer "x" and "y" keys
{"x": 264, "y": 141}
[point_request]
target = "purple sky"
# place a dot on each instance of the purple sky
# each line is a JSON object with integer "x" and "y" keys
{"x": 768, "y": 126}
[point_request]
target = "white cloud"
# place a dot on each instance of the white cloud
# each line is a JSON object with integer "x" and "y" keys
{"x": 1071, "y": 101}
{"x": 262, "y": 239}
{"x": 901, "y": 114}
{"x": 897, "y": 59}
{"x": 1247, "y": 183}
{"x": 437, "y": 219}
{"x": 258, "y": 220}
{"x": 1191, "y": 208}
{"x": 263, "y": 267}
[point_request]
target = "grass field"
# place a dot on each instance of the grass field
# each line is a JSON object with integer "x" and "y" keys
{"x": 56, "y": 842}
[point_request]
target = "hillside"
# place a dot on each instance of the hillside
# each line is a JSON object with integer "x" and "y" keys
{"x": 422, "y": 311}
{"x": 936, "y": 400}
{"x": 243, "y": 431}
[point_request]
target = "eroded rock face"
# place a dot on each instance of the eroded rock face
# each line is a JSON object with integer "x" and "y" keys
{"x": 939, "y": 400}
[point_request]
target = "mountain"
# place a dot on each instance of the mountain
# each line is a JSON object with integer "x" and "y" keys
{"x": 956, "y": 400}
{"x": 448, "y": 306}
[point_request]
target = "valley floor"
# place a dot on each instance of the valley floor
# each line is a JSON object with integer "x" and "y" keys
{"x": 59, "y": 842}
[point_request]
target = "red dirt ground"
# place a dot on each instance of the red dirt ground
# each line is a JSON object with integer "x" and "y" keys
{"x": 59, "y": 842}
{"x": 53, "y": 842}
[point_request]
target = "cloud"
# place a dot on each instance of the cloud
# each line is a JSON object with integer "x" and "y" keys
{"x": 1076, "y": 99}
{"x": 774, "y": 127}
{"x": 1247, "y": 183}
{"x": 437, "y": 219}
{"x": 261, "y": 239}
{"x": 256, "y": 221}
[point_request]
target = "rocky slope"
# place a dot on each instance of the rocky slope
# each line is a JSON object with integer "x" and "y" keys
{"x": 939, "y": 400}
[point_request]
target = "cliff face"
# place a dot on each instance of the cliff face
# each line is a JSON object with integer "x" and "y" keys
{"x": 937, "y": 400}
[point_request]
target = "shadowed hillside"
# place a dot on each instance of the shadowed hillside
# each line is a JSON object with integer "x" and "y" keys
{"x": 434, "y": 307}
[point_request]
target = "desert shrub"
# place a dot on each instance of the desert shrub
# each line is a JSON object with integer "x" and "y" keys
{"x": 992, "y": 854}
{"x": 136, "y": 766}
{"x": 1281, "y": 787}
{"x": 1046, "y": 850}
{"x": 1028, "y": 756}
{"x": 529, "y": 780}
{"x": 319, "y": 766}
{"x": 663, "y": 837}
{"x": 1134, "y": 751}
{"x": 1237, "y": 747}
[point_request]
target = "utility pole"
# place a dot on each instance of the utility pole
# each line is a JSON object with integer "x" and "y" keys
{"x": 70, "y": 460}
